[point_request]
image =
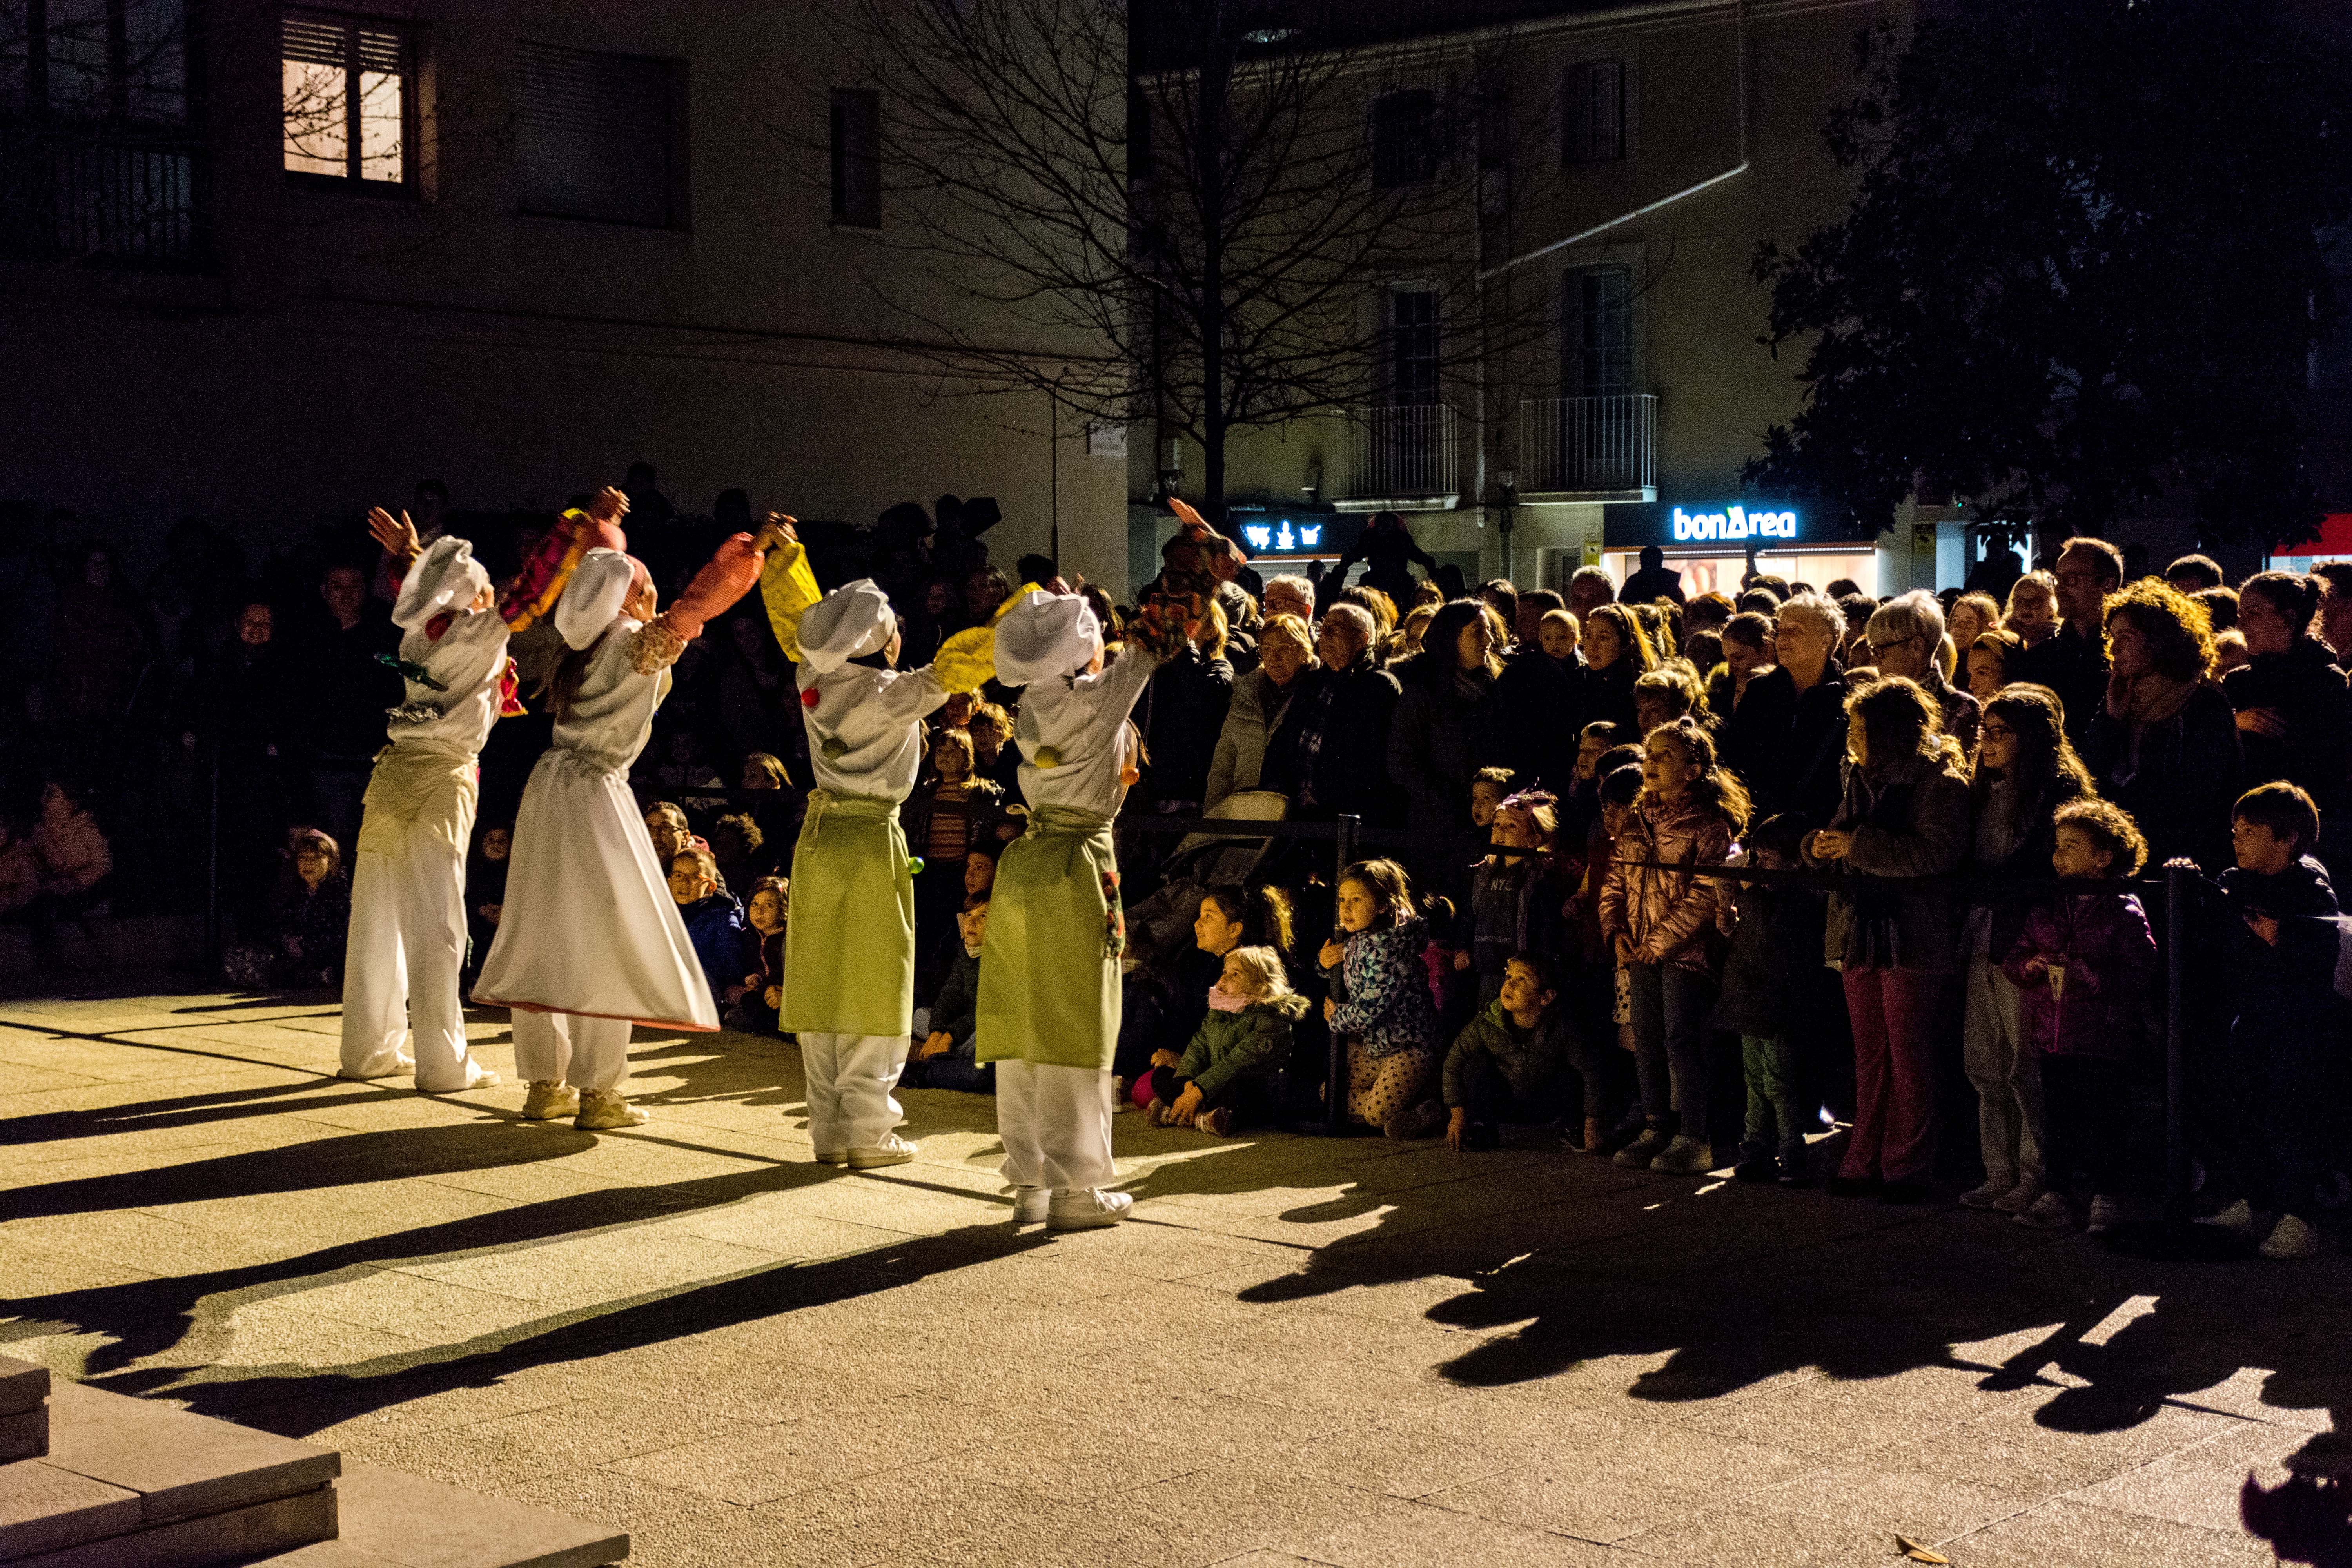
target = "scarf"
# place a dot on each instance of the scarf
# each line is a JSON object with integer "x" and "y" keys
{"x": 1224, "y": 1001}
{"x": 2152, "y": 698}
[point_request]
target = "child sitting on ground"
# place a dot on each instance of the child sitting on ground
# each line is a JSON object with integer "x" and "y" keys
{"x": 946, "y": 1058}
{"x": 1379, "y": 999}
{"x": 306, "y": 950}
{"x": 1510, "y": 1064}
{"x": 1225, "y": 1078}
{"x": 1515, "y": 894}
{"x": 2289, "y": 1025}
{"x": 1775, "y": 943}
{"x": 714, "y": 923}
{"x": 763, "y": 954}
{"x": 2085, "y": 972}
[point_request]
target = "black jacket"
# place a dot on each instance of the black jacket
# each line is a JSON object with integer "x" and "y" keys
{"x": 1330, "y": 753}
{"x": 2304, "y": 687}
{"x": 2075, "y": 668}
{"x": 1540, "y": 707}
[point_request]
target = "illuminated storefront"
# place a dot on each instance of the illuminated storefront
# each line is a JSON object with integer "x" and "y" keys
{"x": 1712, "y": 544}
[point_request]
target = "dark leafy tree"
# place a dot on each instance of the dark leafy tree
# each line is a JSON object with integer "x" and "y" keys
{"x": 2085, "y": 267}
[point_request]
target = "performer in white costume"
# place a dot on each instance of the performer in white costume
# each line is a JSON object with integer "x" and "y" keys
{"x": 408, "y": 882}
{"x": 849, "y": 949}
{"x": 590, "y": 939}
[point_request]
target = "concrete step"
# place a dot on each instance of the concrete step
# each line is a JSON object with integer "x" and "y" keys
{"x": 392, "y": 1520}
{"x": 23, "y": 1410}
{"x": 129, "y": 1484}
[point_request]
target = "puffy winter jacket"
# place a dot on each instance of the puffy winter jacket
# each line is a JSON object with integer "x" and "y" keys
{"x": 1251, "y": 1043}
{"x": 1526, "y": 1057}
{"x": 2109, "y": 955}
{"x": 1381, "y": 992}
{"x": 1669, "y": 914}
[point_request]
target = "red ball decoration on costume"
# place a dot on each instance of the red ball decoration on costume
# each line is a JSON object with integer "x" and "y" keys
{"x": 809, "y": 699}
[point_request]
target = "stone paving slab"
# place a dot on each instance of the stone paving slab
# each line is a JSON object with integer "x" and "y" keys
{"x": 1347, "y": 1351}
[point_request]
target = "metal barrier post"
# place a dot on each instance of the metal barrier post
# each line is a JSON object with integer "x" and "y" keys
{"x": 212, "y": 868}
{"x": 2176, "y": 1073}
{"x": 1335, "y": 1082}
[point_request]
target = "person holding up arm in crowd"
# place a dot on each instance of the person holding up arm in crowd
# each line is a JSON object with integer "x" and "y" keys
{"x": 1049, "y": 974}
{"x": 590, "y": 939}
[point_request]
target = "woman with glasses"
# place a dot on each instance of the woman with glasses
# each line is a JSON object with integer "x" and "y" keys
{"x": 1905, "y": 637}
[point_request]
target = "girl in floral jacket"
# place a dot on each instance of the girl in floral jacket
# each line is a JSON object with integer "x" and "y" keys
{"x": 1658, "y": 915}
{"x": 1379, "y": 1000}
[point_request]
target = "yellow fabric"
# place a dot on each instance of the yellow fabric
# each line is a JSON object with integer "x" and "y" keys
{"x": 967, "y": 661}
{"x": 410, "y": 783}
{"x": 788, "y": 587}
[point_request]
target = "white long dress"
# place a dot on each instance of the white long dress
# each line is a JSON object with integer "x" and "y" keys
{"x": 589, "y": 928}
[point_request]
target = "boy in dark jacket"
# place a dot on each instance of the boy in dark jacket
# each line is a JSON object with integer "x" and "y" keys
{"x": 947, "y": 1058}
{"x": 2282, "y": 956}
{"x": 1509, "y": 1064}
{"x": 1224, "y": 1080}
{"x": 714, "y": 923}
{"x": 1776, "y": 944}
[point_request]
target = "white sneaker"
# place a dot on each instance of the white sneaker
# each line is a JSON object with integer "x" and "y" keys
{"x": 1988, "y": 1195}
{"x": 2102, "y": 1215}
{"x": 2239, "y": 1216}
{"x": 1030, "y": 1203}
{"x": 2048, "y": 1213}
{"x": 547, "y": 1100}
{"x": 1685, "y": 1157}
{"x": 476, "y": 1077}
{"x": 892, "y": 1151}
{"x": 601, "y": 1109}
{"x": 2290, "y": 1238}
{"x": 1085, "y": 1209}
{"x": 401, "y": 1067}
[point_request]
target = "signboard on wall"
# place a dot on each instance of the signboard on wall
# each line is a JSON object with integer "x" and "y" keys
{"x": 1724, "y": 525}
{"x": 1266, "y": 534}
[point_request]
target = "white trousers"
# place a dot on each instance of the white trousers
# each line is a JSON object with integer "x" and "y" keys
{"x": 1054, "y": 1123}
{"x": 568, "y": 1048}
{"x": 850, "y": 1078}
{"x": 400, "y": 970}
{"x": 2007, "y": 1072}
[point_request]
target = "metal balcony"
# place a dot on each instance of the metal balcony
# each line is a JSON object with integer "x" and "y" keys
{"x": 1596, "y": 447}
{"x": 1402, "y": 455}
{"x": 93, "y": 194}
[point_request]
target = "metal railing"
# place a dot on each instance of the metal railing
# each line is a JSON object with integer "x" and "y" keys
{"x": 1589, "y": 445}
{"x": 1402, "y": 453}
{"x": 93, "y": 193}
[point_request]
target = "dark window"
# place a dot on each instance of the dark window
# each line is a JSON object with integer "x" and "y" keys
{"x": 349, "y": 98}
{"x": 1412, "y": 348}
{"x": 1404, "y": 138}
{"x": 856, "y": 159}
{"x": 603, "y": 137}
{"x": 1592, "y": 113}
{"x": 124, "y": 62}
{"x": 1597, "y": 335}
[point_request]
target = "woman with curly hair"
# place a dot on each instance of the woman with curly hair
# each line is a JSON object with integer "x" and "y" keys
{"x": 2165, "y": 745}
{"x": 1904, "y": 815}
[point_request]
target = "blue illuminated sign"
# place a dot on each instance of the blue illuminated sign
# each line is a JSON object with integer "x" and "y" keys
{"x": 1733, "y": 523}
{"x": 1282, "y": 537}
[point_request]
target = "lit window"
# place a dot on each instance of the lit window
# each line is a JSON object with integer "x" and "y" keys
{"x": 348, "y": 100}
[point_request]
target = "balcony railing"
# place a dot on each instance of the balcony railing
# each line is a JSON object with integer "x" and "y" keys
{"x": 89, "y": 194}
{"x": 1401, "y": 454}
{"x": 1599, "y": 446}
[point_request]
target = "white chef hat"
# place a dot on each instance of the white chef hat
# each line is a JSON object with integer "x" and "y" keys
{"x": 1044, "y": 635}
{"x": 853, "y": 621}
{"x": 593, "y": 599}
{"x": 446, "y": 576}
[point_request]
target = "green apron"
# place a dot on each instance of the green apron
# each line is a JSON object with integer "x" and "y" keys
{"x": 1049, "y": 967}
{"x": 849, "y": 946}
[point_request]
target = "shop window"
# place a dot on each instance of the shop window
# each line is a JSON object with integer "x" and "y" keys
{"x": 603, "y": 137}
{"x": 1404, "y": 140}
{"x": 349, "y": 100}
{"x": 857, "y": 159}
{"x": 1592, "y": 113}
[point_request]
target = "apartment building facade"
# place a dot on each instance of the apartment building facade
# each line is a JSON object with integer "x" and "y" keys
{"x": 269, "y": 264}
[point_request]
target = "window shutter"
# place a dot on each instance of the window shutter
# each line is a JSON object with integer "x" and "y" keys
{"x": 596, "y": 136}
{"x": 1592, "y": 113}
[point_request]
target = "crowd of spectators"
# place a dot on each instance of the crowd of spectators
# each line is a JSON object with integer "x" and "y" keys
{"x": 1543, "y": 777}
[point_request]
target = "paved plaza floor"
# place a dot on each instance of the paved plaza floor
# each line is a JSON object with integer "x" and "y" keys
{"x": 1348, "y": 1352}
